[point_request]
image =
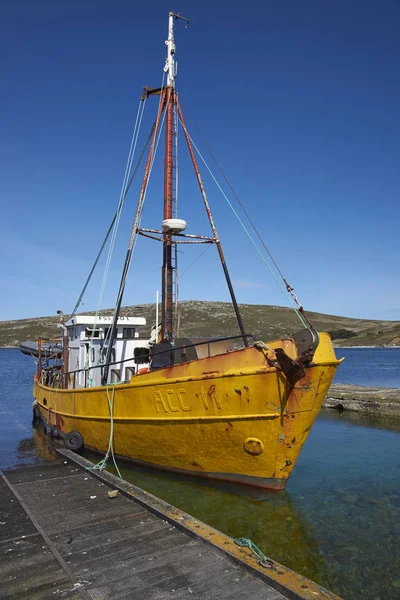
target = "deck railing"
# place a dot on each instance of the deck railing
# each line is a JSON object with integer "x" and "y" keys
{"x": 52, "y": 376}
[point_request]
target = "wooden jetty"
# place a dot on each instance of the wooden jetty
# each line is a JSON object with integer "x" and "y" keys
{"x": 61, "y": 536}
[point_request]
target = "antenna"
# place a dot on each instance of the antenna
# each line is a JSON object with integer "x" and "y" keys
{"x": 171, "y": 48}
{"x": 179, "y": 16}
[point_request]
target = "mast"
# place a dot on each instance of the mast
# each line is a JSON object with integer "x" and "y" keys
{"x": 168, "y": 268}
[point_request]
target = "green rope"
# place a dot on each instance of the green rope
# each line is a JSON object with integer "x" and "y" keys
{"x": 100, "y": 466}
{"x": 258, "y": 553}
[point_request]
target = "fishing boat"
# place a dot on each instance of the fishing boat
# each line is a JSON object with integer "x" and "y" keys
{"x": 235, "y": 409}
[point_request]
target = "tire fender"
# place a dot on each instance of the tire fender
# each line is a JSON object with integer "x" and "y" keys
{"x": 36, "y": 416}
{"x": 73, "y": 441}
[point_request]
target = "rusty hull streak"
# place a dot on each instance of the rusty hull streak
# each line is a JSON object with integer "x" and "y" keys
{"x": 290, "y": 583}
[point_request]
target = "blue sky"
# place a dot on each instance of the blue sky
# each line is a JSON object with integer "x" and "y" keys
{"x": 298, "y": 100}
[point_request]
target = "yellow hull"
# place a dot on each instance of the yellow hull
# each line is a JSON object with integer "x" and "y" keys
{"x": 231, "y": 417}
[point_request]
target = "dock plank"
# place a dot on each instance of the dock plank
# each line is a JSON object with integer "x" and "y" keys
{"x": 28, "y": 568}
{"x": 115, "y": 548}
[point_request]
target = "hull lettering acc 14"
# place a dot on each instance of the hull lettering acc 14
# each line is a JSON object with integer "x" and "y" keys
{"x": 235, "y": 409}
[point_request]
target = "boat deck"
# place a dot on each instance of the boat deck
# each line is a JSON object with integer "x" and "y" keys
{"x": 61, "y": 536}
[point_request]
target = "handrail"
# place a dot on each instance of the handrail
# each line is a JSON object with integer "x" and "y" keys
{"x": 120, "y": 362}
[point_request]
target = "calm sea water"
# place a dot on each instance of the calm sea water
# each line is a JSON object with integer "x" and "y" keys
{"x": 369, "y": 366}
{"x": 338, "y": 521}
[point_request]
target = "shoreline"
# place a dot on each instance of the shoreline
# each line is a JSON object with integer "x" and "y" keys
{"x": 371, "y": 347}
{"x": 376, "y": 401}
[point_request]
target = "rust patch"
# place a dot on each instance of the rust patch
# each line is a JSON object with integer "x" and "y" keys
{"x": 59, "y": 422}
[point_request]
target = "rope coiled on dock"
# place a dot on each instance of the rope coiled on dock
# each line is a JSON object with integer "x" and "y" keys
{"x": 258, "y": 553}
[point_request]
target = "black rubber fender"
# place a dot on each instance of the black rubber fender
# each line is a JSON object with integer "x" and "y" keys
{"x": 47, "y": 430}
{"x": 73, "y": 441}
{"x": 36, "y": 416}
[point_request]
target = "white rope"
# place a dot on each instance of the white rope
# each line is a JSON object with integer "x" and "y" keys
{"x": 286, "y": 295}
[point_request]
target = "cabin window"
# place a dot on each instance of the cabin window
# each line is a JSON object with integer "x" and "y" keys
{"x": 92, "y": 356}
{"x": 128, "y": 333}
{"x": 95, "y": 333}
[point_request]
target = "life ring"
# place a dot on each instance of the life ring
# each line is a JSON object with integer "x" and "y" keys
{"x": 143, "y": 370}
{"x": 73, "y": 441}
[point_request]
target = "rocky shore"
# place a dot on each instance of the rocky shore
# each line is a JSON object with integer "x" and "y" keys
{"x": 376, "y": 401}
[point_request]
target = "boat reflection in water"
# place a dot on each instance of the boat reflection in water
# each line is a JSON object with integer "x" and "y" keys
{"x": 35, "y": 449}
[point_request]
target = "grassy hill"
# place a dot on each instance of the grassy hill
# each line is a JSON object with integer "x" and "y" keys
{"x": 218, "y": 319}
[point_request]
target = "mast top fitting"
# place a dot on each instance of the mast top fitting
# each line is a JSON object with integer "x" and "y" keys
{"x": 170, "y": 67}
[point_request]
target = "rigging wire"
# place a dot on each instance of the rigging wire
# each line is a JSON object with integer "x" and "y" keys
{"x": 145, "y": 193}
{"x": 112, "y": 223}
{"x": 283, "y": 290}
{"x": 289, "y": 288}
{"x": 125, "y": 273}
{"x": 196, "y": 259}
{"x": 132, "y": 149}
{"x": 128, "y": 168}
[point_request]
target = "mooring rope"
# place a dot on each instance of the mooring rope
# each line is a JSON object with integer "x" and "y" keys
{"x": 102, "y": 464}
{"x": 263, "y": 560}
